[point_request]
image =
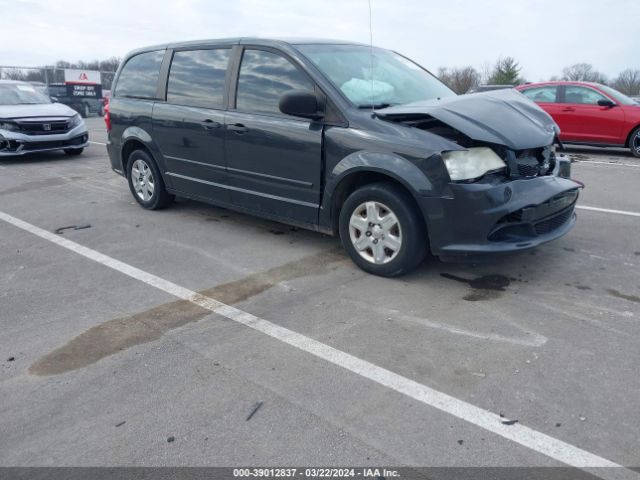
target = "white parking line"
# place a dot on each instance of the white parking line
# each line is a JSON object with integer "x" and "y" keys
{"x": 618, "y": 164}
{"x": 528, "y": 437}
{"x": 97, "y": 143}
{"x": 607, "y": 210}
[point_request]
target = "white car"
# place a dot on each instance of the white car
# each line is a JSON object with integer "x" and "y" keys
{"x": 30, "y": 122}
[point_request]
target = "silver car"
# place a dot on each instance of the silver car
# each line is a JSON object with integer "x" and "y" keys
{"x": 30, "y": 122}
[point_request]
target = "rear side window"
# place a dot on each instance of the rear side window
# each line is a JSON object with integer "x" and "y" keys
{"x": 264, "y": 77}
{"x": 582, "y": 95}
{"x": 139, "y": 76}
{"x": 542, "y": 94}
{"x": 197, "y": 78}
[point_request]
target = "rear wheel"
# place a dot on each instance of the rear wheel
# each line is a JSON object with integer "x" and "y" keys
{"x": 145, "y": 182}
{"x": 634, "y": 143}
{"x": 85, "y": 111}
{"x": 382, "y": 230}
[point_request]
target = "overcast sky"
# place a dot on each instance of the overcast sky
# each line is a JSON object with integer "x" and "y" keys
{"x": 543, "y": 35}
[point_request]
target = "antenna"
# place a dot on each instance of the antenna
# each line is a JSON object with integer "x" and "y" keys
{"x": 373, "y": 112}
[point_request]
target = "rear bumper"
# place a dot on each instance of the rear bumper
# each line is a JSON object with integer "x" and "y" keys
{"x": 504, "y": 217}
{"x": 13, "y": 143}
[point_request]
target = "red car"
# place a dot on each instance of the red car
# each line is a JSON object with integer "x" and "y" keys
{"x": 589, "y": 113}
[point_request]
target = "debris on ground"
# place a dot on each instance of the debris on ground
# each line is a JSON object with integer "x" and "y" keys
{"x": 509, "y": 422}
{"x": 121, "y": 423}
{"x": 255, "y": 409}
{"x": 171, "y": 439}
{"x": 60, "y": 230}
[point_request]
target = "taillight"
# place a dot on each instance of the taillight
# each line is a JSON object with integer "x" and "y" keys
{"x": 107, "y": 117}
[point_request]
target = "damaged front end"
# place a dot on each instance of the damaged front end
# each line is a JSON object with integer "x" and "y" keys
{"x": 508, "y": 189}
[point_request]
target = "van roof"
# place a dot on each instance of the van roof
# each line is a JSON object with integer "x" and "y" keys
{"x": 274, "y": 42}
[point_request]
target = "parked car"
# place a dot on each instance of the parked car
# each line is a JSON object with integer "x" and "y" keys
{"x": 84, "y": 105}
{"x": 488, "y": 88}
{"x": 30, "y": 122}
{"x": 589, "y": 113}
{"x": 326, "y": 136}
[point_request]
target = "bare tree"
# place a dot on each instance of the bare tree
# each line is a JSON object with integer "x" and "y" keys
{"x": 460, "y": 80}
{"x": 628, "y": 82}
{"x": 583, "y": 72}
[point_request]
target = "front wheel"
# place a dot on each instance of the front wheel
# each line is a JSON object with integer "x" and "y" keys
{"x": 634, "y": 143}
{"x": 145, "y": 182}
{"x": 382, "y": 231}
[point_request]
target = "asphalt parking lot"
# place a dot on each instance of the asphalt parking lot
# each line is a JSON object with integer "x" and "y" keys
{"x": 101, "y": 367}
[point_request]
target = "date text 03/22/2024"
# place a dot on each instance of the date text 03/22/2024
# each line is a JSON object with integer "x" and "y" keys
{"x": 314, "y": 473}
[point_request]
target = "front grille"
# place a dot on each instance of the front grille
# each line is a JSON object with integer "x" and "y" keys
{"x": 555, "y": 222}
{"x": 526, "y": 170}
{"x": 44, "y": 128}
{"x": 530, "y": 163}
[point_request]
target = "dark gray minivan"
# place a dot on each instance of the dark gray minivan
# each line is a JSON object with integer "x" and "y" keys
{"x": 341, "y": 138}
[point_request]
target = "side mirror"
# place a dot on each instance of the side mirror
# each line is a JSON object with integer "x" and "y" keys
{"x": 606, "y": 103}
{"x": 300, "y": 104}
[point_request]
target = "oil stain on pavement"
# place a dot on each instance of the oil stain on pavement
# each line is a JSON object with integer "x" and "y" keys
{"x": 486, "y": 287}
{"x": 122, "y": 333}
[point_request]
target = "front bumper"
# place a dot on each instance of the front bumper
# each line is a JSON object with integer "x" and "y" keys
{"x": 500, "y": 216}
{"x": 14, "y": 143}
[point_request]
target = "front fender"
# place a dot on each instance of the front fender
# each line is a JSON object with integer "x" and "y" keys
{"x": 391, "y": 165}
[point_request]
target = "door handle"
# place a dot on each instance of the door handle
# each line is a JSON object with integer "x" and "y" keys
{"x": 238, "y": 128}
{"x": 209, "y": 124}
{"x": 569, "y": 109}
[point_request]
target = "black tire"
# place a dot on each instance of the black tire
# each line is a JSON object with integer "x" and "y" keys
{"x": 159, "y": 197}
{"x": 85, "y": 111}
{"x": 73, "y": 151}
{"x": 634, "y": 143}
{"x": 410, "y": 229}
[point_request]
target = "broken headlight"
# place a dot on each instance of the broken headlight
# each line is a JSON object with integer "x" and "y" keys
{"x": 471, "y": 163}
{"x": 9, "y": 126}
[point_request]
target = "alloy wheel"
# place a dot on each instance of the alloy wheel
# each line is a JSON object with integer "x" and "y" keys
{"x": 375, "y": 232}
{"x": 142, "y": 179}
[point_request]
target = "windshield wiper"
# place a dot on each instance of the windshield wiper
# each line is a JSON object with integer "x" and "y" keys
{"x": 375, "y": 106}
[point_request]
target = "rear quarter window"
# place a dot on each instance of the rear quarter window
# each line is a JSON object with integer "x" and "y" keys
{"x": 139, "y": 76}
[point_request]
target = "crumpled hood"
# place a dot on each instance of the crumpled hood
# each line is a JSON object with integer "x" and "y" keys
{"x": 504, "y": 117}
{"x": 37, "y": 110}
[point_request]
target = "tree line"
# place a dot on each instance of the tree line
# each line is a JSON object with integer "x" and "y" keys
{"x": 506, "y": 71}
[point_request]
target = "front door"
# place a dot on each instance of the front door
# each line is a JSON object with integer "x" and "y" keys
{"x": 273, "y": 160}
{"x": 189, "y": 126}
{"x": 581, "y": 119}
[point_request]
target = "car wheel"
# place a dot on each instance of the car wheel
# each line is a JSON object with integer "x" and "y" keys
{"x": 145, "y": 182}
{"x": 382, "y": 230}
{"x": 634, "y": 143}
{"x": 85, "y": 111}
{"x": 73, "y": 151}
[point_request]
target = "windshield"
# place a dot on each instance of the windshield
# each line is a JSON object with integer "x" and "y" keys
{"x": 396, "y": 80}
{"x": 21, "y": 94}
{"x": 619, "y": 96}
